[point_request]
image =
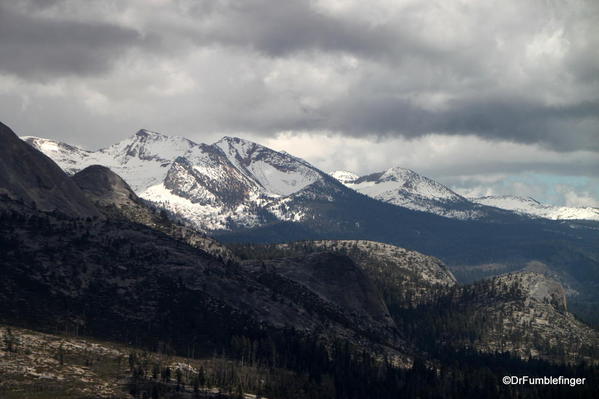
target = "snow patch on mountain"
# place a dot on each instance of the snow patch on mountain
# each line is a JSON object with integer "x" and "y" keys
{"x": 279, "y": 174}
{"x": 203, "y": 216}
{"x": 69, "y": 157}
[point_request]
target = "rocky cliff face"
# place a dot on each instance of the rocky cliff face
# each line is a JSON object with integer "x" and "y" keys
{"x": 330, "y": 284}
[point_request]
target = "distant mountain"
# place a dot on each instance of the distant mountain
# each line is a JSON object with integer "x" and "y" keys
{"x": 531, "y": 207}
{"x": 345, "y": 176}
{"x": 406, "y": 188}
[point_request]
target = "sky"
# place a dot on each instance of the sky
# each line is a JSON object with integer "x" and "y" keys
{"x": 487, "y": 97}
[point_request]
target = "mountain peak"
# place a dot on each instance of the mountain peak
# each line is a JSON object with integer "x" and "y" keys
{"x": 398, "y": 172}
{"x": 148, "y": 133}
{"x": 277, "y": 173}
{"x": 241, "y": 146}
{"x": 148, "y": 145}
{"x": 344, "y": 176}
{"x": 232, "y": 139}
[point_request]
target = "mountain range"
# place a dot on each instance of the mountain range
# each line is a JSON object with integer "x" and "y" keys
{"x": 230, "y": 184}
{"x": 235, "y": 183}
{"x": 404, "y": 187}
{"x": 237, "y": 190}
{"x": 84, "y": 254}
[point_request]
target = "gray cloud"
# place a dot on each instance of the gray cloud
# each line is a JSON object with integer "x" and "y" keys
{"x": 35, "y": 46}
{"x": 282, "y": 28}
{"x": 382, "y": 72}
{"x": 564, "y": 127}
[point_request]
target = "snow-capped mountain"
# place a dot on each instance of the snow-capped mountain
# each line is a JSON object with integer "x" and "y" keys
{"x": 142, "y": 160}
{"x": 531, "y": 207}
{"x": 235, "y": 183}
{"x": 231, "y": 183}
{"x": 406, "y": 188}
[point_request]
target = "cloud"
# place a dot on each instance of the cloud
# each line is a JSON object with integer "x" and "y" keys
{"x": 579, "y": 197}
{"x": 504, "y": 89}
{"x": 40, "y": 46}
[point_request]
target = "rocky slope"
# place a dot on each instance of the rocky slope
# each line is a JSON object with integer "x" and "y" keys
{"x": 524, "y": 314}
{"x": 404, "y": 278}
{"x": 353, "y": 300}
{"x": 532, "y": 320}
{"x": 32, "y": 177}
{"x": 43, "y": 365}
{"x": 113, "y": 196}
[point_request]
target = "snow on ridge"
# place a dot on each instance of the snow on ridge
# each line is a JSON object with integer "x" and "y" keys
{"x": 279, "y": 174}
{"x": 531, "y": 207}
{"x": 396, "y": 183}
{"x": 149, "y": 146}
{"x": 344, "y": 176}
{"x": 406, "y": 188}
{"x": 239, "y": 170}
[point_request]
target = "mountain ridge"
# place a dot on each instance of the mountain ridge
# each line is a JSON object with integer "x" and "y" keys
{"x": 414, "y": 191}
{"x": 531, "y": 207}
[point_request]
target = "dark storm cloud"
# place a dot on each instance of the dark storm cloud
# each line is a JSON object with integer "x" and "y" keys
{"x": 37, "y": 47}
{"x": 566, "y": 127}
{"x": 282, "y": 28}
